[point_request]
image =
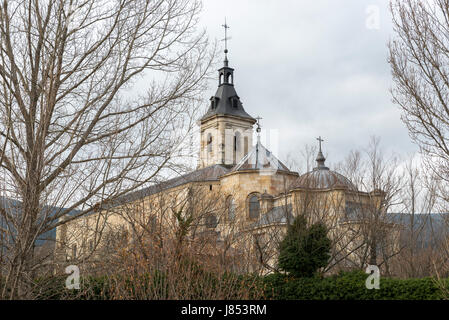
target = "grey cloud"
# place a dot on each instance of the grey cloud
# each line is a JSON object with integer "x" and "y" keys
{"x": 312, "y": 68}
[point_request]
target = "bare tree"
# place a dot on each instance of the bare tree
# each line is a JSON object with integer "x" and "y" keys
{"x": 179, "y": 235}
{"x": 76, "y": 132}
{"x": 304, "y": 161}
{"x": 419, "y": 60}
{"x": 377, "y": 175}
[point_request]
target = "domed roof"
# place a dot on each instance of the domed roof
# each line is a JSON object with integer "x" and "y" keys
{"x": 323, "y": 178}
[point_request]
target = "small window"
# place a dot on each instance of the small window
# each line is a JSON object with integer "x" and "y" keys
{"x": 211, "y": 221}
{"x": 254, "y": 207}
{"x": 210, "y": 187}
{"x": 235, "y": 102}
{"x": 214, "y": 102}
{"x": 74, "y": 251}
{"x": 237, "y": 141}
{"x": 245, "y": 145}
{"x": 209, "y": 142}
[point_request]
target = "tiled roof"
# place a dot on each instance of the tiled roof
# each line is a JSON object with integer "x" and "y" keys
{"x": 211, "y": 173}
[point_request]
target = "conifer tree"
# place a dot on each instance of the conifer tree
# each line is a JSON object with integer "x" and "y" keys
{"x": 304, "y": 249}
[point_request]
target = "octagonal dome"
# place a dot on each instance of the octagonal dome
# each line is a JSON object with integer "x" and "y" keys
{"x": 323, "y": 178}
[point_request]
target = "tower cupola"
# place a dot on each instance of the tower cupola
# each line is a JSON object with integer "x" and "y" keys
{"x": 226, "y": 128}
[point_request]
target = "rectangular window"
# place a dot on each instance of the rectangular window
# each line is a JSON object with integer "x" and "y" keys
{"x": 74, "y": 251}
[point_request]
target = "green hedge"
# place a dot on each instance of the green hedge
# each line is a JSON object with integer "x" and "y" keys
{"x": 345, "y": 286}
{"x": 350, "y": 286}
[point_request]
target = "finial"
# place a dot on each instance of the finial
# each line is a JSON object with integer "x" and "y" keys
{"x": 258, "y": 129}
{"x": 258, "y": 124}
{"x": 319, "y": 141}
{"x": 320, "y": 159}
{"x": 226, "y": 27}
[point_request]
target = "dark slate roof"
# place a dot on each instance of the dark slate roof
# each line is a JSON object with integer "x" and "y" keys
{"x": 259, "y": 158}
{"x": 225, "y": 93}
{"x": 211, "y": 173}
{"x": 222, "y": 101}
{"x": 277, "y": 215}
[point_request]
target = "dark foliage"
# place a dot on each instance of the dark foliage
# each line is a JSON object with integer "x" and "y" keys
{"x": 304, "y": 249}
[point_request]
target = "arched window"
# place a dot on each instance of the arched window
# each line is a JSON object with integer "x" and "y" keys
{"x": 211, "y": 221}
{"x": 237, "y": 142}
{"x": 245, "y": 145}
{"x": 254, "y": 207}
{"x": 209, "y": 142}
{"x": 231, "y": 208}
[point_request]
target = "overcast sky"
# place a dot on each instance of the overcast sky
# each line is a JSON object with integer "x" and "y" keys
{"x": 311, "y": 68}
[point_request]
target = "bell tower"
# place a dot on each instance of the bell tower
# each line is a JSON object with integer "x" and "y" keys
{"x": 226, "y": 128}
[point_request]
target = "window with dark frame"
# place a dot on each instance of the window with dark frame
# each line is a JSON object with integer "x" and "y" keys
{"x": 74, "y": 251}
{"x": 254, "y": 207}
{"x": 211, "y": 221}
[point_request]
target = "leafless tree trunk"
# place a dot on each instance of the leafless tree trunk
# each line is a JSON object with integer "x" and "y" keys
{"x": 419, "y": 62}
{"x": 76, "y": 131}
{"x": 378, "y": 175}
{"x": 169, "y": 234}
{"x": 419, "y": 59}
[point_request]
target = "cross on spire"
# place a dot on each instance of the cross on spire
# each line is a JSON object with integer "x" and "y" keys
{"x": 226, "y": 27}
{"x": 225, "y": 39}
{"x": 319, "y": 141}
{"x": 320, "y": 158}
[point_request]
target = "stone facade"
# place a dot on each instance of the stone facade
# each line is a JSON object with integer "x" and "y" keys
{"x": 239, "y": 191}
